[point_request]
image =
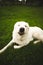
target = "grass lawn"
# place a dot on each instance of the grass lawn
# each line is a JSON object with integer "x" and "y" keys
{"x": 29, "y": 55}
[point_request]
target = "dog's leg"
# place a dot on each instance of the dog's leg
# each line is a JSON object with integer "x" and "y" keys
{"x": 17, "y": 47}
{"x": 38, "y": 36}
{"x": 35, "y": 42}
{"x": 9, "y": 44}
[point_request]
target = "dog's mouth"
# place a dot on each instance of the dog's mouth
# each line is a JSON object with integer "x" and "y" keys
{"x": 21, "y": 33}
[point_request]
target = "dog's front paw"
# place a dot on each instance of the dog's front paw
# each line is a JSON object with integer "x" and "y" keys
{"x": 16, "y": 47}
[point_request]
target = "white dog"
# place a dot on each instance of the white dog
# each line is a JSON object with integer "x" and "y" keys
{"x": 23, "y": 34}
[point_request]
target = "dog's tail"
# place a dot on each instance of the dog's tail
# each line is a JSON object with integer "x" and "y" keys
{"x": 9, "y": 44}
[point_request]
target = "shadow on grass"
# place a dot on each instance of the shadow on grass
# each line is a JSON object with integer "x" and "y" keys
{"x": 29, "y": 55}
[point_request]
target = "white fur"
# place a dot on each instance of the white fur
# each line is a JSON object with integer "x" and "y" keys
{"x": 29, "y": 34}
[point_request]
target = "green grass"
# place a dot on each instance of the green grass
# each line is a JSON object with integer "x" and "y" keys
{"x": 29, "y": 55}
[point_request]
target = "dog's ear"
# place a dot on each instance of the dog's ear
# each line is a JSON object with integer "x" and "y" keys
{"x": 16, "y": 24}
{"x": 27, "y": 25}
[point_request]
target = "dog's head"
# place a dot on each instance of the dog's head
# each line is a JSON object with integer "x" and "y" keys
{"x": 21, "y": 28}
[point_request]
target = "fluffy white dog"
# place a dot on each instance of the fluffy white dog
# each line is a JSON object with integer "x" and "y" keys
{"x": 23, "y": 34}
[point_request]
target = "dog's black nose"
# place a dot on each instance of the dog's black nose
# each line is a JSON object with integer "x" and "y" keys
{"x": 22, "y": 30}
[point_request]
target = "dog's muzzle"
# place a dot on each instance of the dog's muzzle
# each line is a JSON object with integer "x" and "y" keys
{"x": 21, "y": 31}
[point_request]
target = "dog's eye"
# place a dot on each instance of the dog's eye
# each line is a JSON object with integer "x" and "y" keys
{"x": 25, "y": 26}
{"x": 18, "y": 25}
